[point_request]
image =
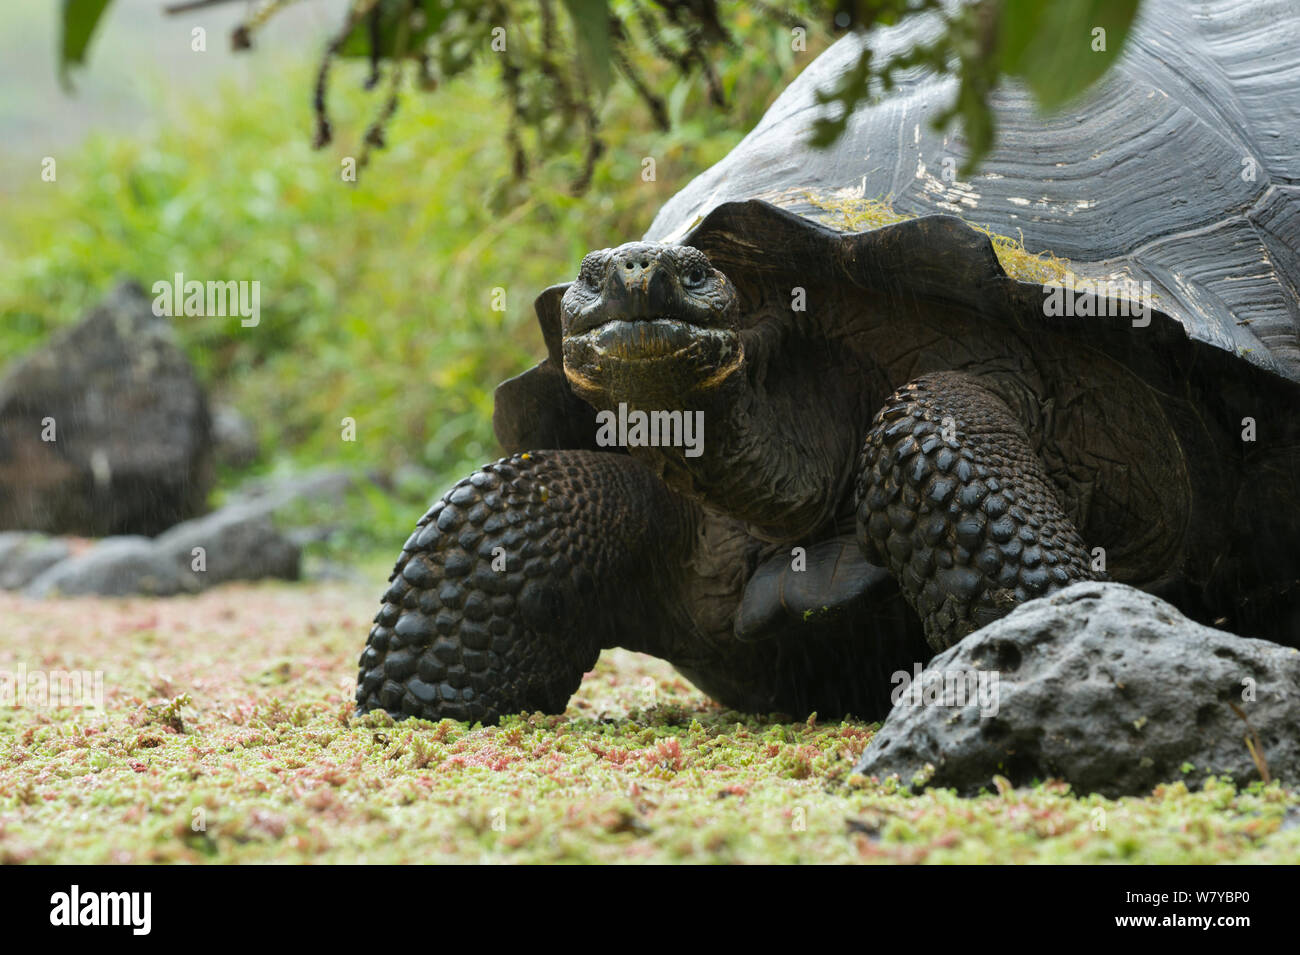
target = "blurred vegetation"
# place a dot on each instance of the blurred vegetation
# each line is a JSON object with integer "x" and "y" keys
{"x": 376, "y": 297}
{"x": 555, "y": 67}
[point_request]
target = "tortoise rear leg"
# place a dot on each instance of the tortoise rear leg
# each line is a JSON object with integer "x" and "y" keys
{"x": 513, "y": 583}
{"x": 954, "y": 501}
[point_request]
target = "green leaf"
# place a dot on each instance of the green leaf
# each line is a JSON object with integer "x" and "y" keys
{"x": 80, "y": 17}
{"x": 849, "y": 90}
{"x": 591, "y": 23}
{"x": 429, "y": 19}
{"x": 1057, "y": 48}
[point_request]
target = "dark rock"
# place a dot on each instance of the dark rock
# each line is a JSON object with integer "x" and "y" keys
{"x": 310, "y": 502}
{"x": 239, "y": 542}
{"x": 275, "y": 494}
{"x": 1106, "y": 687}
{"x": 234, "y": 440}
{"x": 24, "y": 557}
{"x": 115, "y": 567}
{"x": 132, "y": 444}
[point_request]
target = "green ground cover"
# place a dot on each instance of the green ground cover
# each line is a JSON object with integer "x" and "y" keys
{"x": 227, "y": 735}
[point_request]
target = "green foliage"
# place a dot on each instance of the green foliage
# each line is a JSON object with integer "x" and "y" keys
{"x": 80, "y": 17}
{"x": 555, "y": 72}
{"x": 591, "y": 23}
{"x": 376, "y": 297}
{"x": 1055, "y": 48}
{"x": 388, "y": 29}
{"x": 269, "y": 764}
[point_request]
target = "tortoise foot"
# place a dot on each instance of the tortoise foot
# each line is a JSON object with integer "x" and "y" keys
{"x": 953, "y": 500}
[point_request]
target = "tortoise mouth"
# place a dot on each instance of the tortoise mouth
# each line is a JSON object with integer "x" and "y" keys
{"x": 650, "y": 359}
{"x": 648, "y": 339}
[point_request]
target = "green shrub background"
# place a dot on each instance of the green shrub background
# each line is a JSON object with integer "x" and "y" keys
{"x": 375, "y": 296}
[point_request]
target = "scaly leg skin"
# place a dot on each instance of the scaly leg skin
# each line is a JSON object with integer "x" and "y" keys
{"x": 953, "y": 500}
{"x": 513, "y": 583}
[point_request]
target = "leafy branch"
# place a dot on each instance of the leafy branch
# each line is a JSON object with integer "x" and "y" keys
{"x": 556, "y": 70}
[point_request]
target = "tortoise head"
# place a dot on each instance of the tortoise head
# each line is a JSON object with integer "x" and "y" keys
{"x": 649, "y": 324}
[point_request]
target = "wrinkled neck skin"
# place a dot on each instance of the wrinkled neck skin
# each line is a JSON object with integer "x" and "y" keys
{"x": 780, "y": 439}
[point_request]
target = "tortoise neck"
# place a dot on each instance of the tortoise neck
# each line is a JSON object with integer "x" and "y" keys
{"x": 756, "y": 453}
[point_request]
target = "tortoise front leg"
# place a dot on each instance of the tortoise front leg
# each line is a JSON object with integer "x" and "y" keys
{"x": 954, "y": 501}
{"x": 513, "y": 583}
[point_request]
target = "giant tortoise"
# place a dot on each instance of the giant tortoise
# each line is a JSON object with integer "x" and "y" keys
{"x": 792, "y": 459}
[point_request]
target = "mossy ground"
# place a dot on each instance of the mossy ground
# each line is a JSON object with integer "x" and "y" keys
{"x": 233, "y": 708}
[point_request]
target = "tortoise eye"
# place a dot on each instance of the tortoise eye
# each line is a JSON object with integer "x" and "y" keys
{"x": 695, "y": 276}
